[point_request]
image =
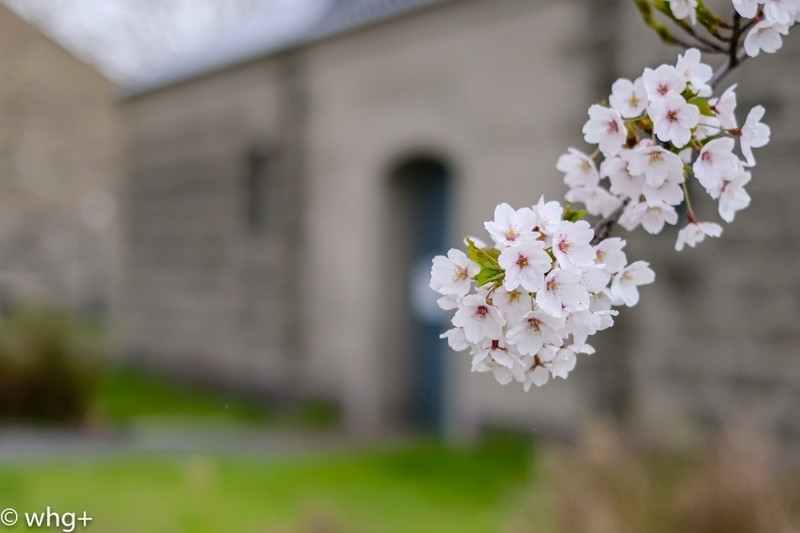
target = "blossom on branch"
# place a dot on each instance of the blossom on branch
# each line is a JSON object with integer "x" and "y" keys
{"x": 527, "y": 302}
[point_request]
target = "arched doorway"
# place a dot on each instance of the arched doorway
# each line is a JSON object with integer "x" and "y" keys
{"x": 418, "y": 230}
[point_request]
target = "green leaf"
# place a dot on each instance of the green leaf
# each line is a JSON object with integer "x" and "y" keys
{"x": 490, "y": 275}
{"x": 486, "y": 258}
{"x": 494, "y": 253}
{"x": 703, "y": 105}
{"x": 572, "y": 215}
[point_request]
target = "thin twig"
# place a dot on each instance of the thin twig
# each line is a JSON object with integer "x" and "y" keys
{"x": 737, "y": 26}
{"x": 709, "y": 43}
{"x": 675, "y": 41}
{"x": 602, "y": 228}
{"x": 749, "y": 25}
{"x": 725, "y": 69}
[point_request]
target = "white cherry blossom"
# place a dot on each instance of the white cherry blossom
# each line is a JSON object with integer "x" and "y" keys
{"x": 605, "y": 129}
{"x": 604, "y": 319}
{"x": 593, "y": 278}
{"x": 511, "y": 227}
{"x": 754, "y": 134}
{"x": 548, "y": 352}
{"x": 781, "y": 11}
{"x": 449, "y": 302}
{"x": 725, "y": 108}
{"x": 695, "y": 72}
{"x": 695, "y": 232}
{"x": 536, "y": 329}
{"x": 550, "y": 214}
{"x": 563, "y": 363}
{"x": 661, "y": 81}
{"x": 452, "y": 275}
{"x": 512, "y": 304}
{"x": 625, "y": 285}
{"x": 651, "y": 217}
{"x": 478, "y": 319}
{"x": 715, "y": 162}
{"x": 733, "y": 197}
{"x": 766, "y": 36}
{"x": 601, "y": 301}
{"x": 598, "y": 200}
{"x": 687, "y": 154}
{"x": 673, "y": 119}
{"x": 669, "y": 192}
{"x": 578, "y": 168}
{"x": 505, "y": 365}
{"x": 455, "y": 339}
{"x": 628, "y": 98}
{"x": 572, "y": 244}
{"x": 562, "y": 292}
{"x": 580, "y": 325}
{"x": 747, "y": 8}
{"x": 525, "y": 266}
{"x": 610, "y": 256}
{"x": 537, "y": 375}
{"x": 495, "y": 350}
{"x": 682, "y": 9}
{"x": 656, "y": 164}
{"x": 621, "y": 181}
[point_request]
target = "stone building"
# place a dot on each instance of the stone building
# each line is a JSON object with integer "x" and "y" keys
{"x": 288, "y": 185}
{"x": 59, "y": 161}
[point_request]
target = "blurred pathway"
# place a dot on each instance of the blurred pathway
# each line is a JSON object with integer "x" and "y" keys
{"x": 19, "y": 444}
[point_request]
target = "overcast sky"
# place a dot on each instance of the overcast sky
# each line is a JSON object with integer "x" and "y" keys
{"x": 126, "y": 37}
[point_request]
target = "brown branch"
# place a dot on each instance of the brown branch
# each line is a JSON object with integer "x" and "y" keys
{"x": 709, "y": 43}
{"x": 676, "y": 41}
{"x": 739, "y": 56}
{"x": 602, "y": 228}
{"x": 736, "y": 53}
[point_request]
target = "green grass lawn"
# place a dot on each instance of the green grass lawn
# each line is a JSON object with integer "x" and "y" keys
{"x": 421, "y": 488}
{"x": 414, "y": 488}
{"x": 126, "y": 397}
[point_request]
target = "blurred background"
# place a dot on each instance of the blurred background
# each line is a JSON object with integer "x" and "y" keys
{"x": 216, "y": 225}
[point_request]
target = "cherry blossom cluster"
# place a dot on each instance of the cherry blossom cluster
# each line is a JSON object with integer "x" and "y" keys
{"x": 772, "y": 20}
{"x": 656, "y": 133}
{"x": 525, "y": 306}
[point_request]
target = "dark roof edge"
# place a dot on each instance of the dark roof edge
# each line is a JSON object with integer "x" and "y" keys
{"x": 145, "y": 89}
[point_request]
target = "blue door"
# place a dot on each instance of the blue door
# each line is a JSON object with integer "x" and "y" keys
{"x": 428, "y": 183}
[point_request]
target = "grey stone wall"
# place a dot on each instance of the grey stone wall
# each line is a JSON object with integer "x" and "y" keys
{"x": 497, "y": 90}
{"x": 59, "y": 161}
{"x": 205, "y": 275}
